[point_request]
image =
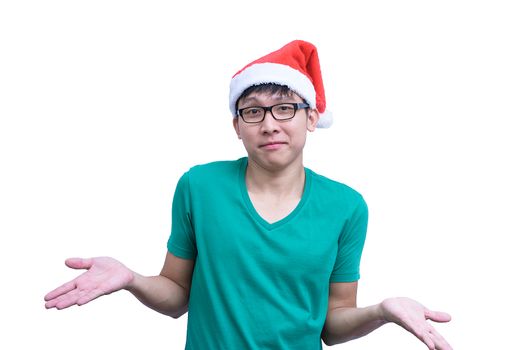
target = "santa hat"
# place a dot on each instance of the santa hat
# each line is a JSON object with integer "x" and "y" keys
{"x": 296, "y": 66}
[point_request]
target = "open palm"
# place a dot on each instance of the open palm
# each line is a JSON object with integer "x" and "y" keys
{"x": 413, "y": 316}
{"x": 104, "y": 275}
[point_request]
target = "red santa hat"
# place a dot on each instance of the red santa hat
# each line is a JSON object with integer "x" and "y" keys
{"x": 296, "y": 66}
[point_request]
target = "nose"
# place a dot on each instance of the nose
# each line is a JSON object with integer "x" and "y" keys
{"x": 269, "y": 124}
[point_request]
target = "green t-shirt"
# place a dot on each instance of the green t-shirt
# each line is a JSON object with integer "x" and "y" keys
{"x": 258, "y": 285}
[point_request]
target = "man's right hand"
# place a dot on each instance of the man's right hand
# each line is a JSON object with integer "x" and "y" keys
{"x": 104, "y": 276}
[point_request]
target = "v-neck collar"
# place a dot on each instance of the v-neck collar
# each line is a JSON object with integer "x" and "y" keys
{"x": 251, "y": 208}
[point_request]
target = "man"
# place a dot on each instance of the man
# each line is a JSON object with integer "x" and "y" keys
{"x": 263, "y": 252}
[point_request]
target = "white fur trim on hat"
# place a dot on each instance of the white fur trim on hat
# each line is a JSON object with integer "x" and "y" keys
{"x": 325, "y": 120}
{"x": 265, "y": 73}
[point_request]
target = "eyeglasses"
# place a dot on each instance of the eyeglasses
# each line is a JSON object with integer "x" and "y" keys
{"x": 281, "y": 111}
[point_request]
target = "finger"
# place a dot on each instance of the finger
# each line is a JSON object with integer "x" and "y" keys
{"x": 63, "y": 289}
{"x": 69, "y": 299}
{"x": 51, "y": 304}
{"x": 75, "y": 263}
{"x": 79, "y": 263}
{"x": 437, "y": 316}
{"x": 63, "y": 301}
{"x": 74, "y": 297}
{"x": 426, "y": 338}
{"x": 422, "y": 332}
{"x": 439, "y": 341}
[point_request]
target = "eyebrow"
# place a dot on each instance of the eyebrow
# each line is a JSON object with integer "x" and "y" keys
{"x": 276, "y": 97}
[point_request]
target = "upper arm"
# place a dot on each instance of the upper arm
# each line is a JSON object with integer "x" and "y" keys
{"x": 351, "y": 242}
{"x": 342, "y": 294}
{"x": 178, "y": 270}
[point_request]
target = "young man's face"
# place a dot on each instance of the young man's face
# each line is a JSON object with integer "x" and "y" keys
{"x": 275, "y": 144}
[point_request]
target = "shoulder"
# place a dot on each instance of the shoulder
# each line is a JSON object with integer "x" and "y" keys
{"x": 214, "y": 169}
{"x": 326, "y": 184}
{"x": 212, "y": 175}
{"x": 334, "y": 193}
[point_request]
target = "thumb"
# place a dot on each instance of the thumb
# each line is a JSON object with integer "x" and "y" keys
{"x": 437, "y": 316}
{"x": 79, "y": 263}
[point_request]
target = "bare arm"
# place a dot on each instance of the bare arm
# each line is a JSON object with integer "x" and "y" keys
{"x": 345, "y": 321}
{"x": 167, "y": 293}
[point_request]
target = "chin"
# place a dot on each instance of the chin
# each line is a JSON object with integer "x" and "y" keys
{"x": 275, "y": 161}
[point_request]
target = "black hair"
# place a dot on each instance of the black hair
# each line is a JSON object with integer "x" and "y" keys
{"x": 268, "y": 88}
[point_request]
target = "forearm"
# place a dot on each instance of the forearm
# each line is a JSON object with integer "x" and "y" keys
{"x": 347, "y": 323}
{"x": 160, "y": 294}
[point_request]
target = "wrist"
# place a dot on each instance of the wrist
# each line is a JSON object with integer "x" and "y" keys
{"x": 382, "y": 313}
{"x": 133, "y": 283}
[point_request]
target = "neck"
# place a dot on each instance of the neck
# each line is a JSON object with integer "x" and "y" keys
{"x": 284, "y": 182}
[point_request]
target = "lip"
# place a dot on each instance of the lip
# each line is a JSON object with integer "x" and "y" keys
{"x": 273, "y": 145}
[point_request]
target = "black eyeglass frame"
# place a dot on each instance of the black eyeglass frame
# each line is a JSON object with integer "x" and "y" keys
{"x": 296, "y": 106}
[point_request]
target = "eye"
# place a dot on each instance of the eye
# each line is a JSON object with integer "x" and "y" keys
{"x": 284, "y": 108}
{"x": 251, "y": 112}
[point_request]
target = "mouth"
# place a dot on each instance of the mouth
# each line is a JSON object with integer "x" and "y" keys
{"x": 273, "y": 145}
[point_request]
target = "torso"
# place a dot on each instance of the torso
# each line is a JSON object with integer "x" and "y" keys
{"x": 262, "y": 273}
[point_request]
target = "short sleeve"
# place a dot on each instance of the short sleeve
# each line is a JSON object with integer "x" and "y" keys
{"x": 351, "y": 244}
{"x": 181, "y": 242}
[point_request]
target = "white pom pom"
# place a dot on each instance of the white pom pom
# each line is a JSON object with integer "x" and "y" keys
{"x": 325, "y": 120}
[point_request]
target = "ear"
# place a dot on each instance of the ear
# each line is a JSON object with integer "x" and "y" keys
{"x": 235, "y": 125}
{"x": 312, "y": 120}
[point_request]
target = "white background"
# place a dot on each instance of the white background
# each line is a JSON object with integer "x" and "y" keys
{"x": 104, "y": 104}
